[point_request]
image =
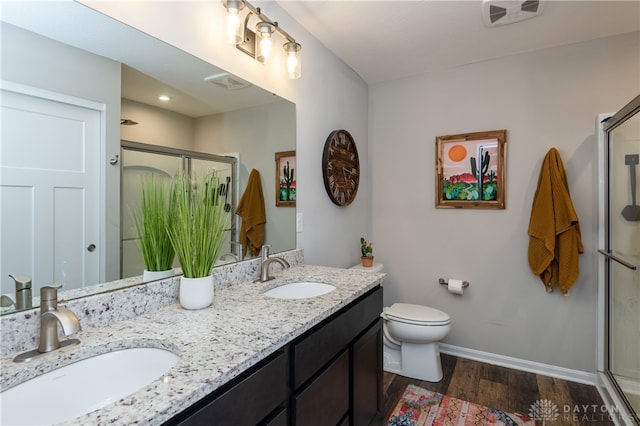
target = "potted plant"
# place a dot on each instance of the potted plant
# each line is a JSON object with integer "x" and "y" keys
{"x": 196, "y": 231}
{"x": 151, "y": 228}
{"x": 366, "y": 247}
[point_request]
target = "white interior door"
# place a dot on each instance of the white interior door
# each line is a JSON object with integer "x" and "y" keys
{"x": 49, "y": 191}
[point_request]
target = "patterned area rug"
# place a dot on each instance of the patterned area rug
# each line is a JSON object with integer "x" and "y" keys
{"x": 420, "y": 407}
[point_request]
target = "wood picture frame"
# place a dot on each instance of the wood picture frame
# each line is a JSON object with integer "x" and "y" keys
{"x": 286, "y": 192}
{"x": 470, "y": 170}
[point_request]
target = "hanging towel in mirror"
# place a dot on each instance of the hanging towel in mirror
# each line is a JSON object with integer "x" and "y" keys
{"x": 554, "y": 230}
{"x": 251, "y": 210}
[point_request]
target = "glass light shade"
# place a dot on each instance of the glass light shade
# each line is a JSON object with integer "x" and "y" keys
{"x": 235, "y": 31}
{"x": 294, "y": 66}
{"x": 264, "y": 40}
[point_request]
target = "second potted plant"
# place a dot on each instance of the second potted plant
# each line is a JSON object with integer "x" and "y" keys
{"x": 196, "y": 231}
{"x": 151, "y": 228}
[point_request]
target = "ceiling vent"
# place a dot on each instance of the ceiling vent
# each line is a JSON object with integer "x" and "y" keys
{"x": 228, "y": 81}
{"x": 503, "y": 12}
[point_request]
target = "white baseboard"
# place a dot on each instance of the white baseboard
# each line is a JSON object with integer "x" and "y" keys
{"x": 520, "y": 364}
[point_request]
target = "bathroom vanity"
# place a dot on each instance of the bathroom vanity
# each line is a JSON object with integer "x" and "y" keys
{"x": 247, "y": 359}
{"x": 328, "y": 376}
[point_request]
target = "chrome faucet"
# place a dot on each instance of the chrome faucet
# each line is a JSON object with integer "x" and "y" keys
{"x": 266, "y": 261}
{"x": 23, "y": 292}
{"x": 50, "y": 316}
{"x": 229, "y": 255}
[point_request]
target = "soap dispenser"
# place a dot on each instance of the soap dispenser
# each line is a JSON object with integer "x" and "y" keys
{"x": 23, "y": 291}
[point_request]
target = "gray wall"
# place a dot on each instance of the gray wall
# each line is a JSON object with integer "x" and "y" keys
{"x": 544, "y": 99}
{"x": 257, "y": 133}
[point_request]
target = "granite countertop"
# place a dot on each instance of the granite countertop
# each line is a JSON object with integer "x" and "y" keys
{"x": 215, "y": 344}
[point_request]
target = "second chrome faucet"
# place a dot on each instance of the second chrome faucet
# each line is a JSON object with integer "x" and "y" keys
{"x": 266, "y": 261}
{"x": 50, "y": 316}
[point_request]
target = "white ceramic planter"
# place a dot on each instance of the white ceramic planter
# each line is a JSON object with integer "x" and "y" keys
{"x": 196, "y": 293}
{"x": 148, "y": 276}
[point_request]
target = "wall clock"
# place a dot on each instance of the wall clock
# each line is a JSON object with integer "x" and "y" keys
{"x": 340, "y": 167}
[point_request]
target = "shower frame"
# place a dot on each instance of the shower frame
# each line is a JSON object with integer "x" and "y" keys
{"x": 185, "y": 157}
{"x": 620, "y": 408}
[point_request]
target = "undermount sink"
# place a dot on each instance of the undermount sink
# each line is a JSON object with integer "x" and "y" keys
{"x": 84, "y": 386}
{"x": 300, "y": 290}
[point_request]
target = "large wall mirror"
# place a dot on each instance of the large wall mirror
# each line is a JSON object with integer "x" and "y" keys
{"x": 115, "y": 73}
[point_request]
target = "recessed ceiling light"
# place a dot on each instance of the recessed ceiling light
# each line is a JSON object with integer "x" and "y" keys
{"x": 164, "y": 98}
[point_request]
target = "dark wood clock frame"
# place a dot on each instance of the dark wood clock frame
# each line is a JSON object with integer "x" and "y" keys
{"x": 341, "y": 167}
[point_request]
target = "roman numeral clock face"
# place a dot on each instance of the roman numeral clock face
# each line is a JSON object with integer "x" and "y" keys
{"x": 341, "y": 167}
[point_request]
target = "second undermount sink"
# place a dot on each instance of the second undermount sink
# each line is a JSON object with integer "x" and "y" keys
{"x": 300, "y": 290}
{"x": 84, "y": 386}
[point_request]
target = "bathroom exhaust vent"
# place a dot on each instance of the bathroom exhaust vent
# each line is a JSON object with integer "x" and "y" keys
{"x": 503, "y": 12}
{"x": 228, "y": 81}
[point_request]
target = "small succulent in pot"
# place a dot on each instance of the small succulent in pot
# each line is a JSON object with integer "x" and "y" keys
{"x": 366, "y": 247}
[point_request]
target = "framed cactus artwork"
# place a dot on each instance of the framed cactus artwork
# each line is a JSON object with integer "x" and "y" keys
{"x": 470, "y": 170}
{"x": 286, "y": 179}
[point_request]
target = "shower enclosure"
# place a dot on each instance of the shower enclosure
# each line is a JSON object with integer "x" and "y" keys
{"x": 141, "y": 159}
{"x": 619, "y": 238}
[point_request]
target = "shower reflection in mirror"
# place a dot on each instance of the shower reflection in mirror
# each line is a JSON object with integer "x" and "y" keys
{"x": 141, "y": 160}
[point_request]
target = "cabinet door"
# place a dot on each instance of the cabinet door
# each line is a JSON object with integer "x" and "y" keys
{"x": 247, "y": 402}
{"x": 316, "y": 349}
{"x": 367, "y": 375}
{"x": 326, "y": 400}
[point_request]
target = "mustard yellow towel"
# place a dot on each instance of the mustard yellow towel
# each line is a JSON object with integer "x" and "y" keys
{"x": 251, "y": 210}
{"x": 554, "y": 230}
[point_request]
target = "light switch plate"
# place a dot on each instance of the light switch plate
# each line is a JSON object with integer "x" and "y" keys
{"x": 299, "y": 222}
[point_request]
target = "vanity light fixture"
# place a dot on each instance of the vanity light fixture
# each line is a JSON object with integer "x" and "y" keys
{"x": 164, "y": 98}
{"x": 264, "y": 30}
{"x": 259, "y": 44}
{"x": 235, "y": 31}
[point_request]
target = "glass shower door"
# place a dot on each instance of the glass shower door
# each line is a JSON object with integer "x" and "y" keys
{"x": 139, "y": 160}
{"x": 622, "y": 239}
{"x": 135, "y": 166}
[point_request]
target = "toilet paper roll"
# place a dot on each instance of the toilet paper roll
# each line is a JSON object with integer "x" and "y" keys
{"x": 455, "y": 286}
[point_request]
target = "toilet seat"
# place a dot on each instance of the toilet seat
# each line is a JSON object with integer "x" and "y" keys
{"x": 416, "y": 314}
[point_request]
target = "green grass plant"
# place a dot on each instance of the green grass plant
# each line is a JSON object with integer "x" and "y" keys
{"x": 151, "y": 224}
{"x": 197, "y": 227}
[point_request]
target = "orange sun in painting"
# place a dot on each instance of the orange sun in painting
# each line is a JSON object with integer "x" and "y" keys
{"x": 457, "y": 153}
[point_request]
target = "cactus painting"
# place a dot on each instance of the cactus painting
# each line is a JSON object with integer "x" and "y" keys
{"x": 286, "y": 191}
{"x": 470, "y": 170}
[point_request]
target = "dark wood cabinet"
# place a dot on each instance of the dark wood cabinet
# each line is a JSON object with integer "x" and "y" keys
{"x": 353, "y": 336}
{"x": 325, "y": 401}
{"x": 331, "y": 375}
{"x": 367, "y": 375}
{"x": 248, "y": 400}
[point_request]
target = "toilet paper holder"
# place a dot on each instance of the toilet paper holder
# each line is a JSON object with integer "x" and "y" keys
{"x": 465, "y": 284}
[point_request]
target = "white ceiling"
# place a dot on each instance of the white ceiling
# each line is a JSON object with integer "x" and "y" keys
{"x": 387, "y": 40}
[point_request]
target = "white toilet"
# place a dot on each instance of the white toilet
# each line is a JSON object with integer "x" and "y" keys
{"x": 411, "y": 336}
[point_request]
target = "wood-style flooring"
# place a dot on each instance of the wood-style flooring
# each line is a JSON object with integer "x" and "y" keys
{"x": 504, "y": 389}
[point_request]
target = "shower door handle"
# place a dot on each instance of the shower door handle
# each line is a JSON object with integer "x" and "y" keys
{"x": 618, "y": 259}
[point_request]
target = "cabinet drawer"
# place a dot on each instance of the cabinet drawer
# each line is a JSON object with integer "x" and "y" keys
{"x": 247, "y": 402}
{"x": 315, "y": 350}
{"x": 326, "y": 400}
